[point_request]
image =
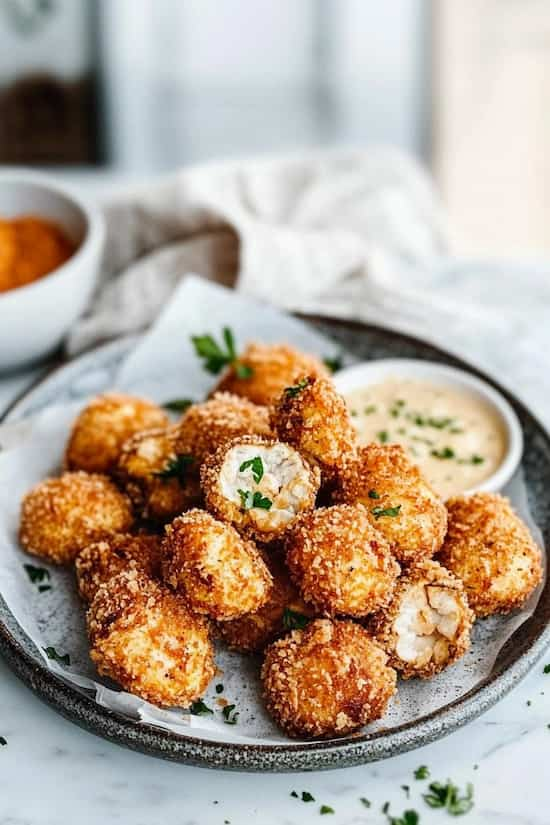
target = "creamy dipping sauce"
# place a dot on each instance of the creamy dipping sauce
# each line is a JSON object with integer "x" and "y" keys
{"x": 455, "y": 437}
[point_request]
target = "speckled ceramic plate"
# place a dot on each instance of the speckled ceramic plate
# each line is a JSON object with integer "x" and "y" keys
{"x": 92, "y": 373}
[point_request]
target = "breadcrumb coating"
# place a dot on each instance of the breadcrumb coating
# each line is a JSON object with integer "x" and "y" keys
{"x": 100, "y": 561}
{"x": 492, "y": 551}
{"x": 147, "y": 640}
{"x": 60, "y": 516}
{"x": 218, "y": 572}
{"x": 103, "y": 426}
{"x": 340, "y": 563}
{"x": 274, "y": 367}
{"x": 314, "y": 418}
{"x": 327, "y": 680}
{"x": 427, "y": 625}
{"x": 204, "y": 427}
{"x": 160, "y": 481}
{"x": 400, "y": 503}
{"x": 262, "y": 508}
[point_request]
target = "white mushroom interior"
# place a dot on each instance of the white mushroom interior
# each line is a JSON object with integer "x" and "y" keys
{"x": 428, "y": 620}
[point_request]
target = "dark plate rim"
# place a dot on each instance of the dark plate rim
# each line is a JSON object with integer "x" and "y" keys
{"x": 354, "y": 750}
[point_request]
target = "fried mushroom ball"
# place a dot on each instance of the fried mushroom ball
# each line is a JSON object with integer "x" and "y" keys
{"x": 146, "y": 639}
{"x": 160, "y": 481}
{"x": 427, "y": 626}
{"x": 258, "y": 484}
{"x": 340, "y": 563}
{"x": 399, "y": 501}
{"x": 104, "y": 425}
{"x": 60, "y": 516}
{"x": 492, "y": 551}
{"x": 102, "y": 560}
{"x": 327, "y": 680}
{"x": 204, "y": 427}
{"x": 269, "y": 368}
{"x": 218, "y": 572}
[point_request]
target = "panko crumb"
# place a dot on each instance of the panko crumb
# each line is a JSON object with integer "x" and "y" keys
{"x": 327, "y": 680}
{"x": 340, "y": 563}
{"x": 273, "y": 367}
{"x": 490, "y": 548}
{"x": 60, "y": 516}
{"x": 215, "y": 570}
{"x": 148, "y": 641}
{"x": 99, "y": 562}
{"x": 426, "y": 628}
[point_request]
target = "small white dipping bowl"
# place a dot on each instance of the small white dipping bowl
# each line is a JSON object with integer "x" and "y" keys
{"x": 375, "y": 372}
{"x": 35, "y": 318}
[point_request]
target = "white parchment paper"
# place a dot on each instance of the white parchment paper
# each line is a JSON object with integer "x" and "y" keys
{"x": 163, "y": 365}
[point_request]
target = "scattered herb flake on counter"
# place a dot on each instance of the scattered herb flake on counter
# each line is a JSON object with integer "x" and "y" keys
{"x": 407, "y": 790}
{"x": 373, "y": 494}
{"x": 422, "y": 772}
{"x": 307, "y": 797}
{"x": 219, "y": 688}
{"x": 296, "y": 389}
{"x": 215, "y": 358}
{"x": 364, "y": 801}
{"x": 444, "y": 453}
{"x": 292, "y": 620}
{"x": 257, "y": 467}
{"x": 294, "y": 794}
{"x": 250, "y": 500}
{"x": 379, "y": 512}
{"x": 198, "y": 708}
{"x": 52, "y": 653}
{"x": 385, "y": 807}
{"x": 383, "y": 437}
{"x": 176, "y": 467}
{"x": 448, "y": 797}
{"x": 546, "y": 668}
{"x": 407, "y": 818}
{"x": 229, "y": 715}
{"x": 326, "y": 809}
{"x": 178, "y": 404}
{"x": 334, "y": 364}
{"x": 3, "y": 741}
{"x": 39, "y": 576}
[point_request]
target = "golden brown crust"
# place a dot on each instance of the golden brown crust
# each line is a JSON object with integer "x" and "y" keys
{"x": 213, "y": 568}
{"x": 290, "y": 484}
{"x": 206, "y": 426}
{"x": 492, "y": 551}
{"x": 327, "y": 680}
{"x": 148, "y": 471}
{"x": 383, "y": 478}
{"x": 147, "y": 640}
{"x": 103, "y": 426}
{"x": 60, "y": 516}
{"x": 314, "y": 418}
{"x": 426, "y": 627}
{"x": 340, "y": 563}
{"x": 100, "y": 561}
{"x": 274, "y": 367}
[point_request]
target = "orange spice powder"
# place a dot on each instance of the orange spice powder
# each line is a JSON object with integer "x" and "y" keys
{"x": 30, "y": 247}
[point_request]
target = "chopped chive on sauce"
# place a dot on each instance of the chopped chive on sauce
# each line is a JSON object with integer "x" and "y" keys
{"x": 383, "y": 436}
{"x": 444, "y": 453}
{"x": 370, "y": 409}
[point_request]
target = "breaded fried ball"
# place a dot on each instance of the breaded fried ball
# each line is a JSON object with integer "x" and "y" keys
{"x": 340, "y": 563}
{"x": 399, "y": 501}
{"x": 283, "y": 610}
{"x": 259, "y": 484}
{"x": 492, "y": 551}
{"x": 103, "y": 426}
{"x": 327, "y": 680}
{"x": 146, "y": 639}
{"x": 100, "y": 561}
{"x": 218, "y": 572}
{"x": 204, "y": 427}
{"x": 60, "y": 516}
{"x": 313, "y": 417}
{"x": 274, "y": 367}
{"x": 160, "y": 481}
{"x": 427, "y": 626}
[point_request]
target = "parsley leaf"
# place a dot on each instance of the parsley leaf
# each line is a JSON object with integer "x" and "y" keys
{"x": 229, "y": 715}
{"x": 408, "y": 818}
{"x": 257, "y": 467}
{"x": 292, "y": 392}
{"x": 378, "y": 512}
{"x": 198, "y": 708}
{"x": 448, "y": 796}
{"x": 307, "y": 797}
{"x": 219, "y": 688}
{"x": 215, "y": 358}
{"x": 373, "y": 494}
{"x": 422, "y": 772}
{"x": 445, "y": 452}
{"x": 39, "y": 576}
{"x": 326, "y": 809}
{"x": 334, "y": 364}
{"x": 292, "y": 620}
{"x": 176, "y": 468}
{"x": 250, "y": 500}
{"x": 178, "y": 404}
{"x": 52, "y": 653}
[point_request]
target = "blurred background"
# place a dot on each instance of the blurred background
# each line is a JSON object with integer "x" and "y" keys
{"x": 137, "y": 87}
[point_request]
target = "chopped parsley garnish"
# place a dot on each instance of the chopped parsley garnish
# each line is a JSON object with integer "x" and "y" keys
{"x": 178, "y": 404}
{"x": 353, "y": 413}
{"x": 52, "y": 653}
{"x": 39, "y": 576}
{"x": 445, "y": 452}
{"x": 477, "y": 459}
{"x": 229, "y": 714}
{"x": 326, "y": 809}
{"x": 370, "y": 409}
{"x": 257, "y": 467}
{"x": 364, "y": 801}
{"x": 3, "y": 741}
{"x": 422, "y": 772}
{"x": 307, "y": 797}
{"x": 383, "y": 436}
{"x": 295, "y": 390}
{"x": 546, "y": 669}
{"x": 250, "y": 500}
{"x": 334, "y": 364}
{"x": 448, "y": 797}
{"x": 219, "y": 688}
{"x": 292, "y": 620}
{"x": 176, "y": 468}
{"x": 373, "y": 494}
{"x": 407, "y": 818}
{"x": 439, "y": 423}
{"x": 215, "y": 358}
{"x": 378, "y": 512}
{"x": 198, "y": 708}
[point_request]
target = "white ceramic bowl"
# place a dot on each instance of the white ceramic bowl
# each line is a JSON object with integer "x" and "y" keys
{"x": 374, "y": 372}
{"x": 35, "y": 318}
